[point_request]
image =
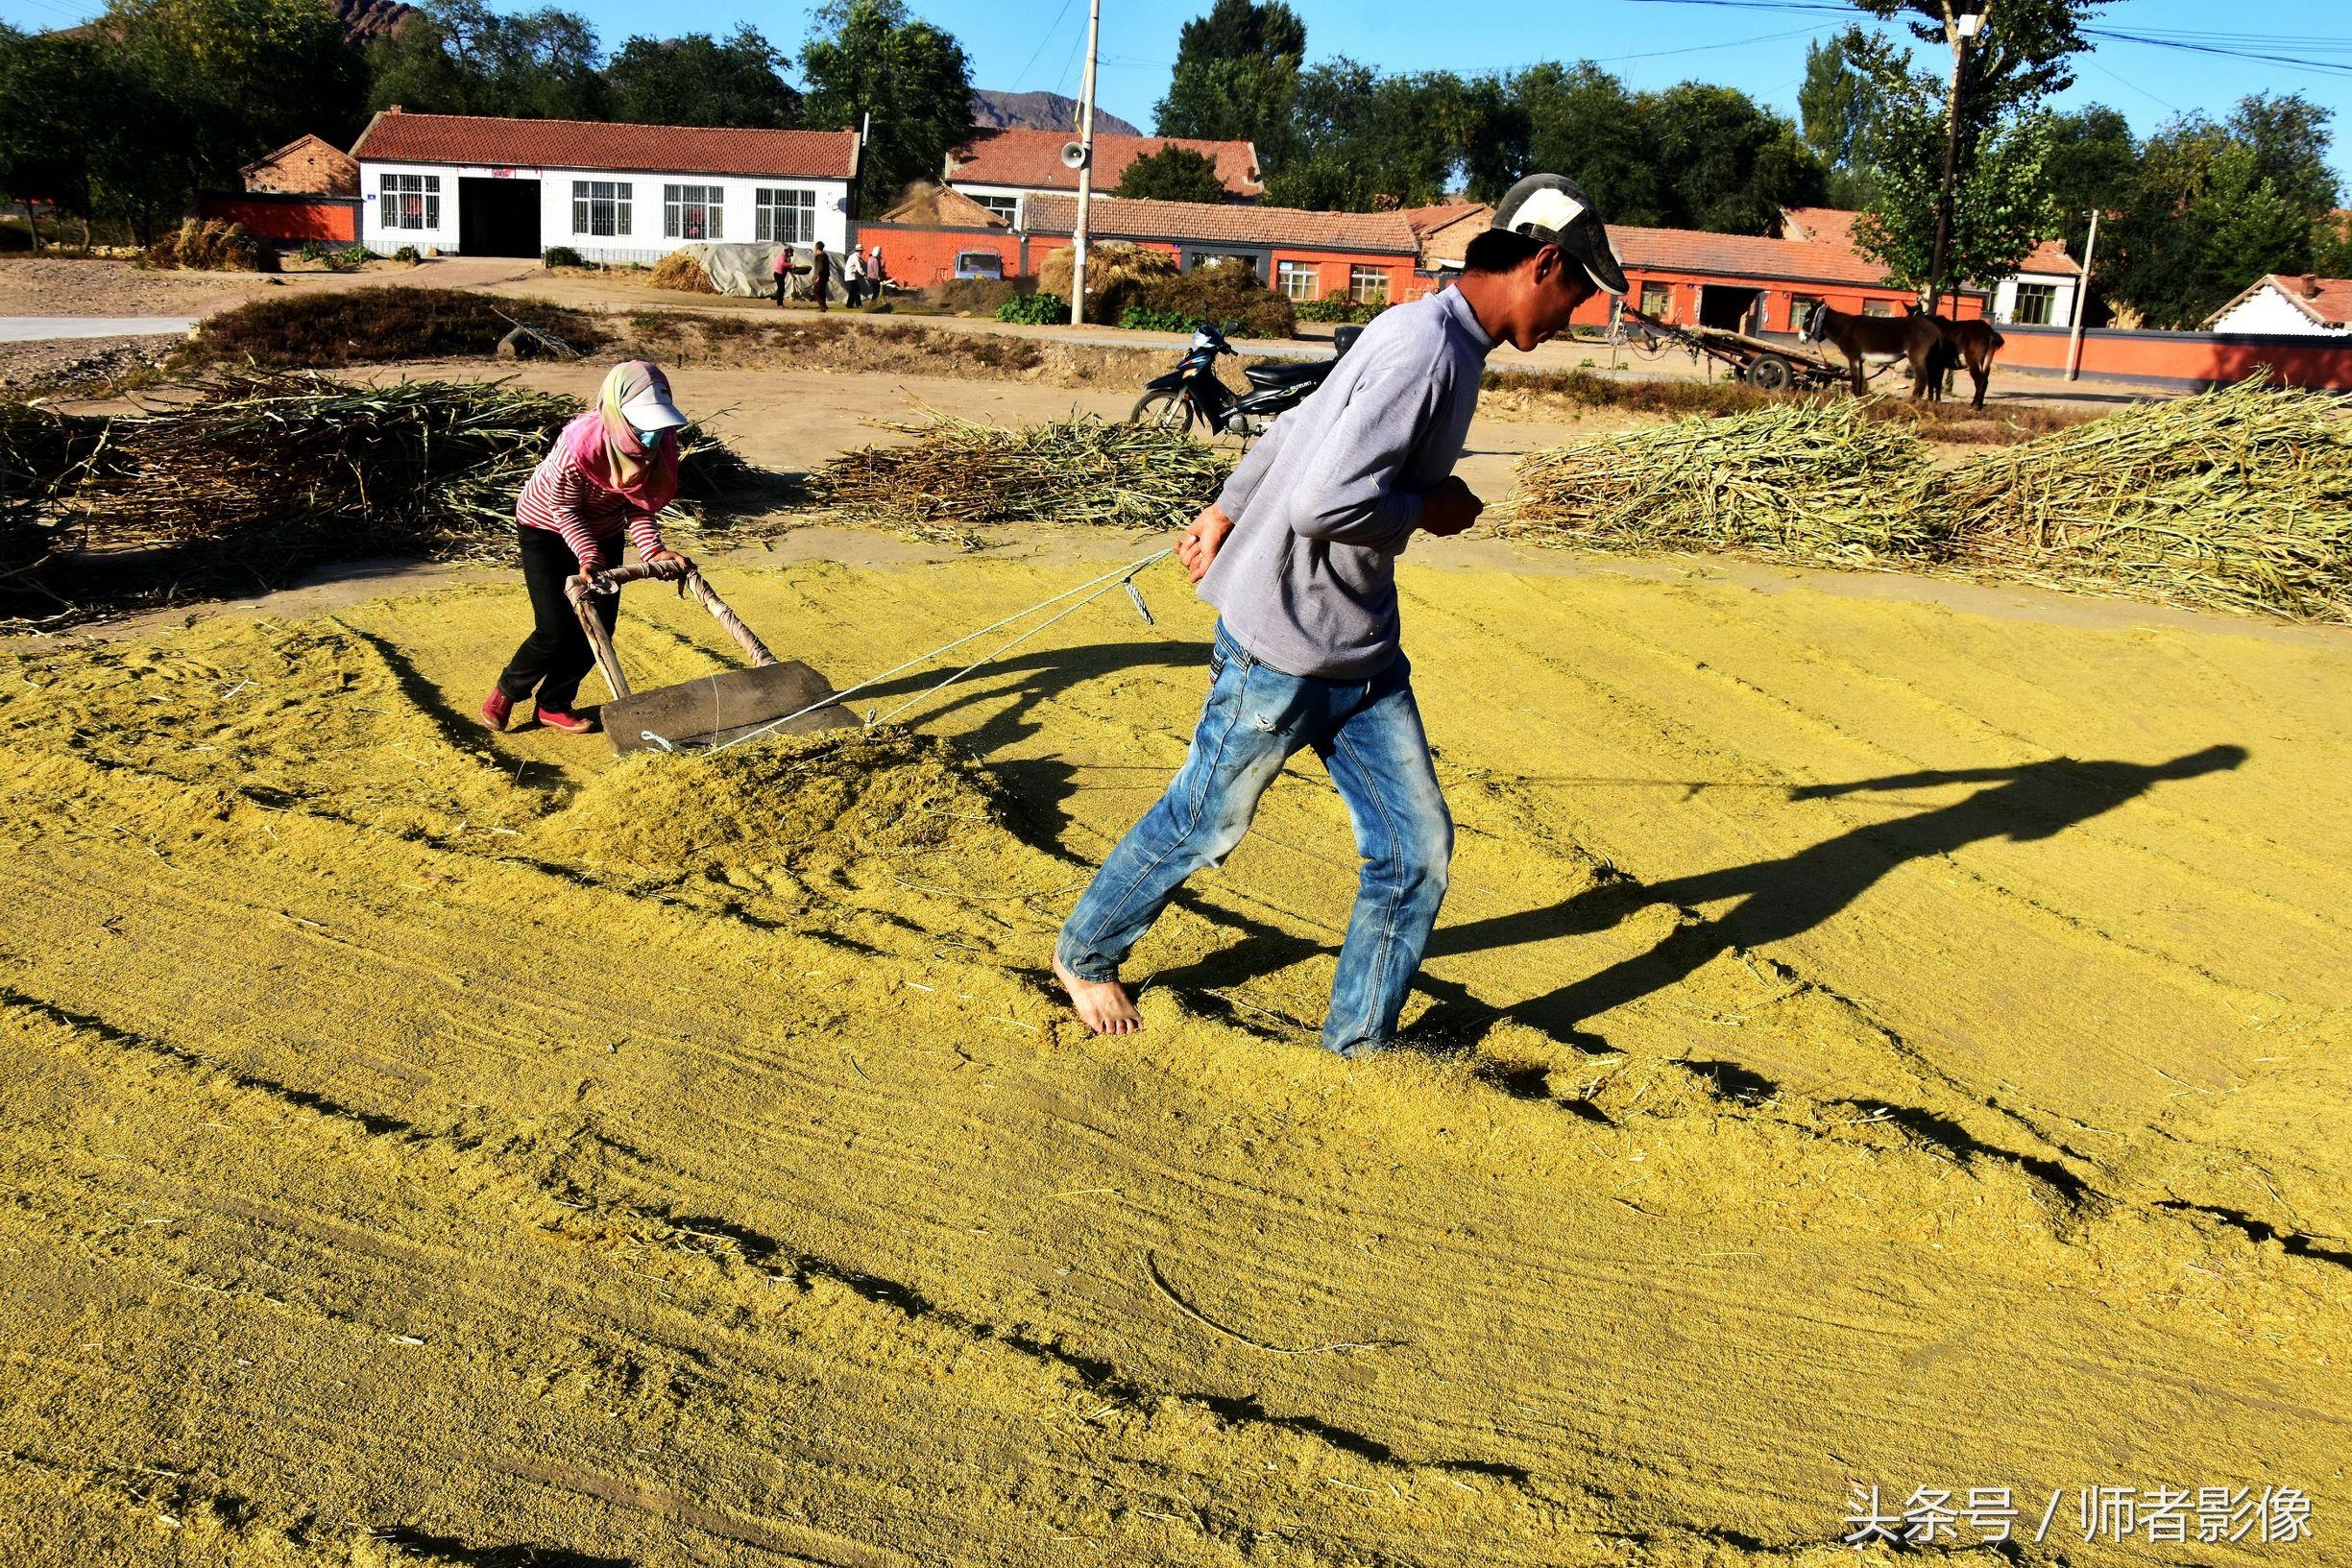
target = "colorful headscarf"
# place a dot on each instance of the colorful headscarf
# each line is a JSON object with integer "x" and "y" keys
{"x": 604, "y": 447}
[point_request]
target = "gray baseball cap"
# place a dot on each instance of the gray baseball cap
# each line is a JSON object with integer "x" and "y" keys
{"x": 1554, "y": 209}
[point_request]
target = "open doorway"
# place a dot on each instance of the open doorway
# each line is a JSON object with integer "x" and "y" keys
{"x": 1733, "y": 309}
{"x": 498, "y": 217}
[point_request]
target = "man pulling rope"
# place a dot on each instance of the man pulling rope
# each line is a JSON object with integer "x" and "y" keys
{"x": 1299, "y": 554}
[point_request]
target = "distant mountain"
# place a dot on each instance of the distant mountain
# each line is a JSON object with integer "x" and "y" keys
{"x": 1039, "y": 112}
{"x": 365, "y": 20}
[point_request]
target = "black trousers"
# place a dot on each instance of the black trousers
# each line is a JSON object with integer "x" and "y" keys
{"x": 556, "y": 656}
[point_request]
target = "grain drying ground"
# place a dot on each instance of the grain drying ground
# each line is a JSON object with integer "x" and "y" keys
{"x": 1880, "y": 1042}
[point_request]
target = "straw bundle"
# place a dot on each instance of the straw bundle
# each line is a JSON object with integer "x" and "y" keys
{"x": 954, "y": 475}
{"x": 680, "y": 272}
{"x": 1109, "y": 265}
{"x": 2239, "y": 500}
{"x": 262, "y": 475}
{"x": 1811, "y": 482}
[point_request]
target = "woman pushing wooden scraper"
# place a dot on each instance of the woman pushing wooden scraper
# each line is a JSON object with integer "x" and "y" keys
{"x": 1299, "y": 554}
{"x": 612, "y": 471}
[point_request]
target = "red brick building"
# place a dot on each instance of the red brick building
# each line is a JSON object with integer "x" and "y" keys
{"x": 305, "y": 191}
{"x": 1361, "y": 256}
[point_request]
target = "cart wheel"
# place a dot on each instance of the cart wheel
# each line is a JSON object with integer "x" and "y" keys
{"x": 1771, "y": 373}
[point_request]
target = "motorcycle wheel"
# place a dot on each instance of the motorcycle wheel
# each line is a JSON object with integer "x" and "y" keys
{"x": 1168, "y": 410}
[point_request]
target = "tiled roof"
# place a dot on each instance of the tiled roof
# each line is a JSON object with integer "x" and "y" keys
{"x": 1744, "y": 256}
{"x": 1032, "y": 160}
{"x": 941, "y": 207}
{"x": 1428, "y": 220}
{"x": 397, "y": 137}
{"x": 1112, "y": 217}
{"x": 1834, "y": 226}
{"x": 2329, "y": 301}
{"x": 1822, "y": 225}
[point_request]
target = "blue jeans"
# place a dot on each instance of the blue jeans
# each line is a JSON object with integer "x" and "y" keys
{"x": 1369, "y": 734}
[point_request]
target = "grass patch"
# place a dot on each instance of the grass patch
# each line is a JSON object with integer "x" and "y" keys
{"x": 374, "y": 326}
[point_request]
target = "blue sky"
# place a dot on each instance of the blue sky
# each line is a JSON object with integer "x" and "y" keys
{"x": 1037, "y": 44}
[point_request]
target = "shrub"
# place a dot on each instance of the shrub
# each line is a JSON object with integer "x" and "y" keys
{"x": 1337, "y": 308}
{"x": 1225, "y": 293}
{"x": 1144, "y": 319}
{"x": 560, "y": 256}
{"x": 407, "y": 254}
{"x": 1039, "y": 310}
{"x": 208, "y": 245}
{"x": 353, "y": 256}
{"x": 354, "y": 326}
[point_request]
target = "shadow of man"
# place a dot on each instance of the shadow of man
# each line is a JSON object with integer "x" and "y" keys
{"x": 1782, "y": 898}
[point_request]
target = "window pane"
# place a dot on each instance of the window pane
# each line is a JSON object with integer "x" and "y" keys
{"x": 1367, "y": 285}
{"x": 1653, "y": 299}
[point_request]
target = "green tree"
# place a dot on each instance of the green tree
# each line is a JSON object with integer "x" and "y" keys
{"x": 1839, "y": 108}
{"x": 1579, "y": 120}
{"x": 2331, "y": 246}
{"x": 48, "y": 92}
{"x": 869, "y": 56}
{"x": 1728, "y": 165}
{"x": 1361, "y": 141}
{"x": 458, "y": 57}
{"x": 2213, "y": 206}
{"x": 696, "y": 80}
{"x": 234, "y": 78}
{"x": 1236, "y": 77}
{"x": 1173, "y": 174}
{"x": 2094, "y": 161}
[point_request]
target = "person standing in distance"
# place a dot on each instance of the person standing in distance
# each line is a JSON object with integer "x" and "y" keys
{"x": 1299, "y": 554}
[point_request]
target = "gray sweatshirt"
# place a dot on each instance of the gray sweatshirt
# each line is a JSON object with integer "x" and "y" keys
{"x": 1323, "y": 504}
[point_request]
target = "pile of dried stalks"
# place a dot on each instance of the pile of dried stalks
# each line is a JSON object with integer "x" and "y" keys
{"x": 680, "y": 272}
{"x": 1796, "y": 481}
{"x": 2238, "y": 501}
{"x": 257, "y": 476}
{"x": 954, "y": 475}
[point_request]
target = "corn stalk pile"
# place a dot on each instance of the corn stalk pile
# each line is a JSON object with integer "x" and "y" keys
{"x": 1806, "y": 482}
{"x": 257, "y": 476}
{"x": 954, "y": 475}
{"x": 2238, "y": 501}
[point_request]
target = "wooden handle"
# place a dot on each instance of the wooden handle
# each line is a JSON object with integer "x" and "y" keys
{"x": 598, "y": 639}
{"x": 611, "y": 579}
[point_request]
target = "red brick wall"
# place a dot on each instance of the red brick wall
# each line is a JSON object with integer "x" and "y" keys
{"x": 921, "y": 257}
{"x": 329, "y": 220}
{"x": 1683, "y": 299}
{"x": 1332, "y": 272}
{"x": 2184, "y": 359}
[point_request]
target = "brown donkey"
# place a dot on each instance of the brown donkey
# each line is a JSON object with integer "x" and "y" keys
{"x": 1972, "y": 344}
{"x": 1913, "y": 338}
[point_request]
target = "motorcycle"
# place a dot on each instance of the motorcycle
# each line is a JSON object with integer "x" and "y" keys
{"x": 1192, "y": 396}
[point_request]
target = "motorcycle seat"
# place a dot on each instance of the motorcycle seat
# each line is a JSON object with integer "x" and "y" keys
{"x": 1287, "y": 374}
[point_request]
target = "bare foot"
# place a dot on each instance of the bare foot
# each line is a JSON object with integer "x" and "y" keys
{"x": 1102, "y": 1005}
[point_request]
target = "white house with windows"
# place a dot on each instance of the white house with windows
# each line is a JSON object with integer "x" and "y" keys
{"x": 470, "y": 185}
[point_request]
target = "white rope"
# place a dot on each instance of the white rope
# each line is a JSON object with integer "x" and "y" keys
{"x": 1005, "y": 647}
{"x": 1103, "y": 583}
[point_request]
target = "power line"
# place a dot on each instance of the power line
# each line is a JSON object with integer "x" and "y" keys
{"x": 1023, "y": 76}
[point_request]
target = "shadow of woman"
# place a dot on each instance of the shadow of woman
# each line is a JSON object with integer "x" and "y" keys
{"x": 1781, "y": 898}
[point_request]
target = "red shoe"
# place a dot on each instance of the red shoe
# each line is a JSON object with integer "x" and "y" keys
{"x": 555, "y": 718}
{"x": 496, "y": 708}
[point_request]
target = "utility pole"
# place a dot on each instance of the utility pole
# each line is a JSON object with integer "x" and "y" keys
{"x": 1959, "y": 27}
{"x": 2083, "y": 303}
{"x": 1086, "y": 168}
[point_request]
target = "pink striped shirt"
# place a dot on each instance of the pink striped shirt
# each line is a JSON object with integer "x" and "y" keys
{"x": 590, "y": 518}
